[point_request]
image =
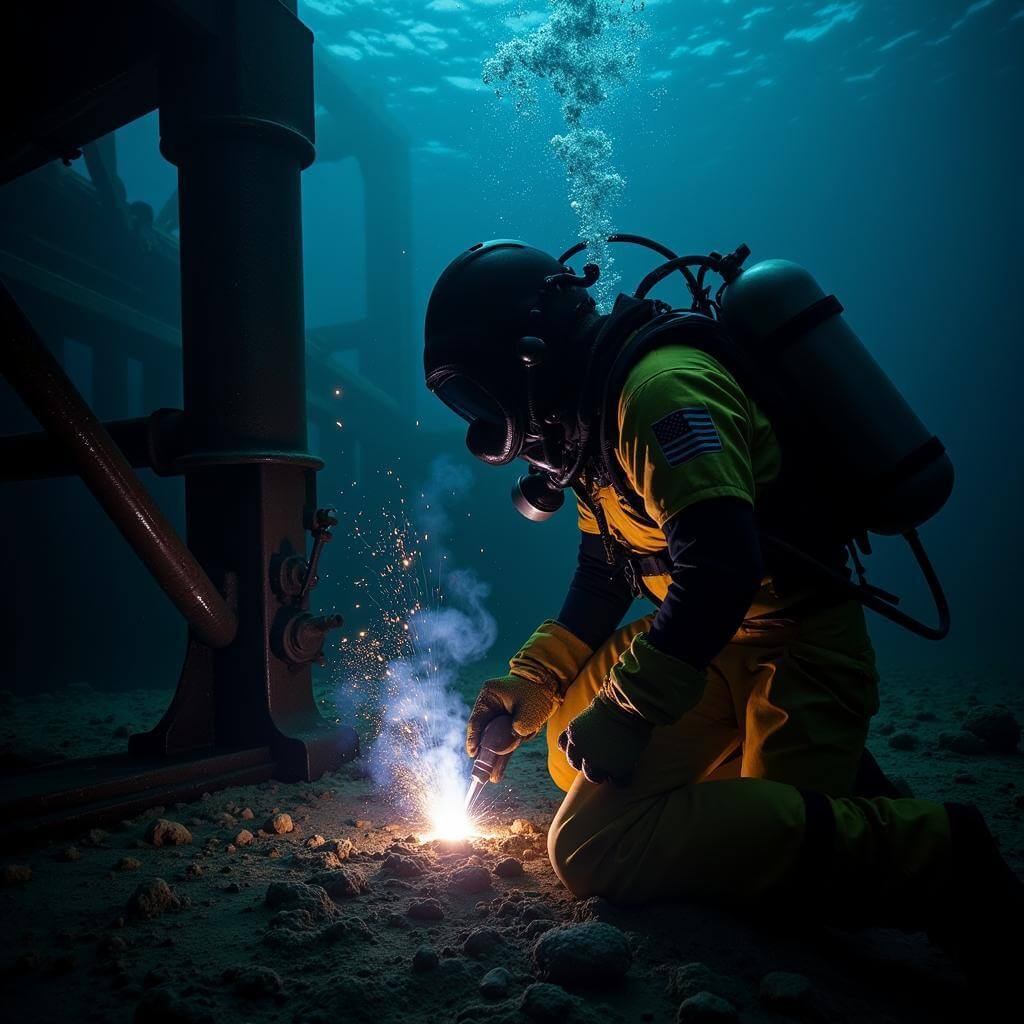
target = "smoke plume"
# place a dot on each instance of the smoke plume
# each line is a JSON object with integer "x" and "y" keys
{"x": 419, "y": 755}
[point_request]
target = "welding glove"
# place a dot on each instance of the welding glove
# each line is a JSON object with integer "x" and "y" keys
{"x": 540, "y": 674}
{"x": 644, "y": 689}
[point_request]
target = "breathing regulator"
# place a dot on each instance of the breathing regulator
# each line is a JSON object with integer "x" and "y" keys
{"x": 507, "y": 321}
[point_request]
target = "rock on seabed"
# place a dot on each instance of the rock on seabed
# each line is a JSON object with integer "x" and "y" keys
{"x": 995, "y": 726}
{"x": 546, "y": 1003}
{"x": 583, "y": 954}
{"x": 706, "y": 1008}
{"x": 164, "y": 832}
{"x": 151, "y": 899}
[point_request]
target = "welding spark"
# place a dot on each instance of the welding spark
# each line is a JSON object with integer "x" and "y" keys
{"x": 409, "y": 655}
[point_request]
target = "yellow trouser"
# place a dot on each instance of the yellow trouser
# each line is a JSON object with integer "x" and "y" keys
{"x": 796, "y": 699}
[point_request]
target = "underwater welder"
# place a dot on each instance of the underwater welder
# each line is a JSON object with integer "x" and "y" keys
{"x": 729, "y": 462}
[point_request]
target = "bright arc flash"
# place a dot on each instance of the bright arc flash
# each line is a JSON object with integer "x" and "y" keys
{"x": 448, "y": 819}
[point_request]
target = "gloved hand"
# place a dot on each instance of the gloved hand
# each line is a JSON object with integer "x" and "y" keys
{"x": 540, "y": 673}
{"x": 529, "y": 704}
{"x": 605, "y": 741}
{"x": 644, "y": 688}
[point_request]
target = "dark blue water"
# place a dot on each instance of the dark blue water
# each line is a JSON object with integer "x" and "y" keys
{"x": 877, "y": 143}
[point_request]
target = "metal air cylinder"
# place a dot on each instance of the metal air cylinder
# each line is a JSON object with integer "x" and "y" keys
{"x": 885, "y": 471}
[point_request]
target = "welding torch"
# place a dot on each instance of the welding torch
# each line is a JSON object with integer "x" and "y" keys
{"x": 496, "y": 746}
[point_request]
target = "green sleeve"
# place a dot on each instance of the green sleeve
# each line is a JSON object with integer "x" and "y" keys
{"x": 685, "y": 436}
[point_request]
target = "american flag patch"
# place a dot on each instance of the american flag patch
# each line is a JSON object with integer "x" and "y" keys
{"x": 686, "y": 433}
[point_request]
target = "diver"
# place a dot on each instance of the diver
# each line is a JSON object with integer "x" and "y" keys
{"x": 728, "y": 462}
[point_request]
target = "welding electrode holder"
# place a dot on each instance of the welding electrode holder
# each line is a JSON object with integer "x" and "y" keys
{"x": 498, "y": 736}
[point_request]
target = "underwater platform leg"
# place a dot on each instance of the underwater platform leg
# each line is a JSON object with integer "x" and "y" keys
{"x": 236, "y": 119}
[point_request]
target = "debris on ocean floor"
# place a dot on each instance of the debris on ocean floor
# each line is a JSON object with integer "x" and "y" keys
{"x": 218, "y": 911}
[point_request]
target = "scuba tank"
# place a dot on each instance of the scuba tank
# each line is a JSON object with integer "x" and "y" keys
{"x": 839, "y": 420}
{"x": 884, "y": 468}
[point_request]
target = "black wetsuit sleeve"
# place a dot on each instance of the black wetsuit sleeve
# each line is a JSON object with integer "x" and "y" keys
{"x": 717, "y": 569}
{"x": 599, "y": 596}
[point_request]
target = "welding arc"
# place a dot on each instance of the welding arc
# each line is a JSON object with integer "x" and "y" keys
{"x": 41, "y": 383}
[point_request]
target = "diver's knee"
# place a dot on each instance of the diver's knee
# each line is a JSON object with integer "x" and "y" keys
{"x": 568, "y": 853}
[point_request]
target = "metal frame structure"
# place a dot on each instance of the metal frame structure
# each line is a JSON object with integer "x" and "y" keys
{"x": 233, "y": 82}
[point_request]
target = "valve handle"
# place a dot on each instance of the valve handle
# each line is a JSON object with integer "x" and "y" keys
{"x": 324, "y": 520}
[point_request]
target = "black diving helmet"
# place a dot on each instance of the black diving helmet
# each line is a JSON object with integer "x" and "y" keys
{"x": 503, "y": 324}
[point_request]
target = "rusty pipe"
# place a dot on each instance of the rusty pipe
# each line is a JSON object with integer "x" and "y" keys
{"x": 49, "y": 394}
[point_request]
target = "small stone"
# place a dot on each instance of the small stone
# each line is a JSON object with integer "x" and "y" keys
{"x": 69, "y": 854}
{"x": 482, "y": 942}
{"x": 494, "y": 984}
{"x": 535, "y": 910}
{"x": 692, "y": 978}
{"x": 510, "y": 867}
{"x": 95, "y": 837}
{"x": 247, "y": 814}
{"x": 904, "y": 741}
{"x": 961, "y": 742}
{"x": 402, "y": 867}
{"x": 471, "y": 878}
{"x": 341, "y": 848}
{"x": 298, "y": 904}
{"x": 706, "y": 1008}
{"x": 194, "y": 870}
{"x": 167, "y": 833}
{"x": 151, "y": 899}
{"x": 394, "y": 920}
{"x": 254, "y": 982}
{"x": 315, "y": 842}
{"x": 583, "y": 954}
{"x": 279, "y": 824}
{"x": 535, "y": 928}
{"x": 995, "y": 726}
{"x": 128, "y": 864}
{"x": 341, "y": 884}
{"x": 362, "y": 823}
{"x": 225, "y": 819}
{"x": 425, "y": 910}
{"x": 597, "y": 908}
{"x": 425, "y": 959}
{"x": 786, "y": 992}
{"x": 522, "y": 827}
{"x": 15, "y": 874}
{"x": 546, "y": 1003}
{"x": 244, "y": 838}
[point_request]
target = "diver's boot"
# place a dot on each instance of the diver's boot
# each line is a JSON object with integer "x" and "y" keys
{"x": 979, "y": 921}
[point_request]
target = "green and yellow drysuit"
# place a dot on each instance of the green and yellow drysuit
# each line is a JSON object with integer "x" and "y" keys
{"x": 744, "y": 785}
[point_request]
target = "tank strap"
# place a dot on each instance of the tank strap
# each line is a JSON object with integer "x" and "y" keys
{"x": 920, "y": 457}
{"x": 797, "y": 326}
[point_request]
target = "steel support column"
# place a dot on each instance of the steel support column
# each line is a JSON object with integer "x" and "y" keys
{"x": 237, "y": 121}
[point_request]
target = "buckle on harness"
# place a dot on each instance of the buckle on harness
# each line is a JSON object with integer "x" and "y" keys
{"x": 632, "y": 574}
